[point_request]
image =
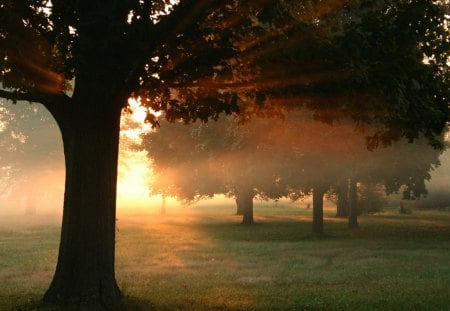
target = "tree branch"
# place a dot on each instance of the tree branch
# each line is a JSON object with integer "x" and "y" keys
{"x": 148, "y": 36}
{"x": 183, "y": 15}
{"x": 35, "y": 97}
{"x": 57, "y": 104}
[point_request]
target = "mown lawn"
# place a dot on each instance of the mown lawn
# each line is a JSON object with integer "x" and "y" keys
{"x": 203, "y": 259}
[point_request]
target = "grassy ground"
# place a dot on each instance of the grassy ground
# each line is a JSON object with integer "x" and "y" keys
{"x": 202, "y": 259}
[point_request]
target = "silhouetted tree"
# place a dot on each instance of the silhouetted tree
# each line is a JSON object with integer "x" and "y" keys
{"x": 342, "y": 198}
{"x": 335, "y": 156}
{"x": 222, "y": 157}
{"x": 197, "y": 62}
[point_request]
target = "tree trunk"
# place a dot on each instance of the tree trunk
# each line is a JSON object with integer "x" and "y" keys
{"x": 85, "y": 270}
{"x": 353, "y": 208}
{"x": 317, "y": 226}
{"x": 342, "y": 199}
{"x": 239, "y": 205}
{"x": 245, "y": 199}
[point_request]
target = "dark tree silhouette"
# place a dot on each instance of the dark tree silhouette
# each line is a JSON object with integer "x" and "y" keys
{"x": 200, "y": 60}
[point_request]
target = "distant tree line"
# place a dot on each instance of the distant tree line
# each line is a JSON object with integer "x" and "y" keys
{"x": 292, "y": 158}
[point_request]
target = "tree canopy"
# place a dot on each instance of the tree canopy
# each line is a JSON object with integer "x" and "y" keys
{"x": 382, "y": 62}
{"x": 292, "y": 157}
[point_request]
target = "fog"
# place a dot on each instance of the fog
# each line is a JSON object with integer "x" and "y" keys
{"x": 274, "y": 158}
{"x": 32, "y": 161}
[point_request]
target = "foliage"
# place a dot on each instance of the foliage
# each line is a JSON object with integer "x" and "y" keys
{"x": 291, "y": 159}
{"x": 200, "y": 160}
{"x": 363, "y": 59}
{"x": 386, "y": 48}
{"x": 28, "y": 143}
{"x": 379, "y": 62}
{"x": 358, "y": 58}
{"x": 404, "y": 167}
{"x": 371, "y": 199}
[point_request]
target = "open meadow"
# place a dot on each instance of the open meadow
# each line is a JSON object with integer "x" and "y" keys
{"x": 201, "y": 258}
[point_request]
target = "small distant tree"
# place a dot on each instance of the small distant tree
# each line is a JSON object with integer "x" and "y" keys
{"x": 30, "y": 154}
{"x": 341, "y": 192}
{"x": 222, "y": 157}
{"x": 336, "y": 156}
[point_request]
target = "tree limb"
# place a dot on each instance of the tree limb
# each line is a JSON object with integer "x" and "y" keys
{"x": 148, "y": 36}
{"x": 56, "y": 104}
{"x": 183, "y": 15}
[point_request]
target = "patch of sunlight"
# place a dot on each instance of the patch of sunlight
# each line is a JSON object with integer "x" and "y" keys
{"x": 134, "y": 176}
{"x": 134, "y": 171}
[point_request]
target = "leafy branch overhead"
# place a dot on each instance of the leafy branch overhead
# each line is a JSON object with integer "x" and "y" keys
{"x": 381, "y": 62}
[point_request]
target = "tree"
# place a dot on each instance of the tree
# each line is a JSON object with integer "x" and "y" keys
{"x": 195, "y": 62}
{"x": 222, "y": 157}
{"x": 107, "y": 51}
{"x": 403, "y": 166}
{"x": 324, "y": 156}
{"x": 31, "y": 153}
{"x": 341, "y": 193}
{"x": 180, "y": 162}
{"x": 265, "y": 159}
{"x": 438, "y": 192}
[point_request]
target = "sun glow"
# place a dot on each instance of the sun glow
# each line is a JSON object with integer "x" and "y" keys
{"x": 135, "y": 172}
{"x": 134, "y": 175}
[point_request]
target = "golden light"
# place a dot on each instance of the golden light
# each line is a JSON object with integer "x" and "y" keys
{"x": 134, "y": 168}
{"x": 134, "y": 175}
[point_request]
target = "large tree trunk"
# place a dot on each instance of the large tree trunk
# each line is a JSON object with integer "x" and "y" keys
{"x": 353, "y": 208}
{"x": 239, "y": 205}
{"x": 342, "y": 199}
{"x": 244, "y": 199}
{"x": 85, "y": 269}
{"x": 317, "y": 225}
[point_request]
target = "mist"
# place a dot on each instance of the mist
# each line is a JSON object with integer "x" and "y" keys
{"x": 286, "y": 158}
{"x": 31, "y": 161}
{"x": 217, "y": 157}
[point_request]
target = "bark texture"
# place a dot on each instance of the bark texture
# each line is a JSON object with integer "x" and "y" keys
{"x": 244, "y": 201}
{"x": 317, "y": 225}
{"x": 85, "y": 269}
{"x": 342, "y": 199}
{"x": 353, "y": 208}
{"x": 239, "y": 205}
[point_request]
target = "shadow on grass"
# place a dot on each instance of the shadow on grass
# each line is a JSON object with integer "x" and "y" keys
{"x": 265, "y": 231}
{"x": 300, "y": 230}
{"x": 128, "y": 304}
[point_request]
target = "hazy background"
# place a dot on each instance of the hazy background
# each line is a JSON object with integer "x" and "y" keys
{"x": 32, "y": 165}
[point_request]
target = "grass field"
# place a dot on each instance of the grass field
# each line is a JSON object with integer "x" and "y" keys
{"x": 202, "y": 259}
